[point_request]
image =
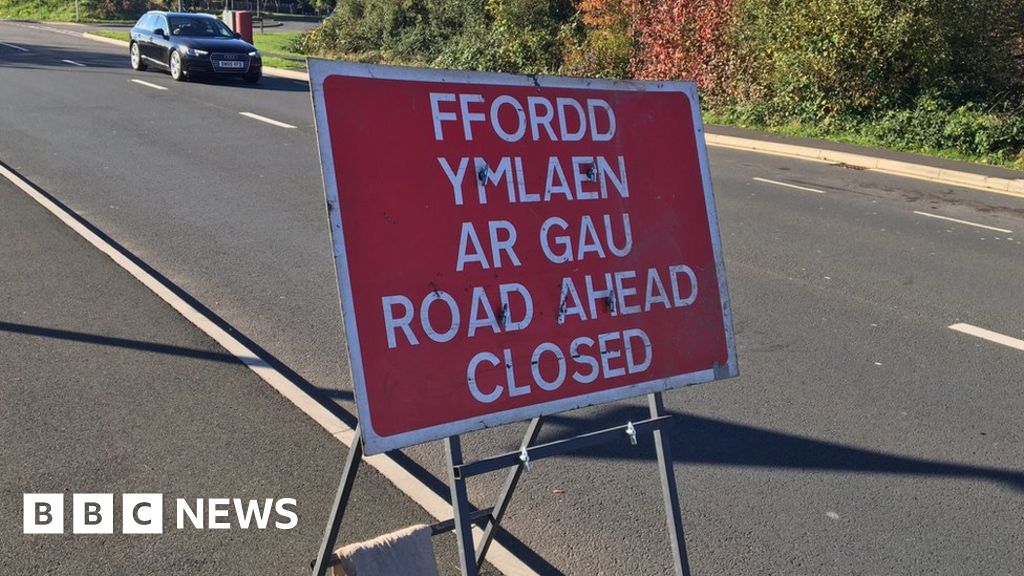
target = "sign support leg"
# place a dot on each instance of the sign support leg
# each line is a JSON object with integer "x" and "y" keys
{"x": 668, "y": 488}
{"x": 511, "y": 481}
{"x": 348, "y": 477}
{"x": 460, "y": 507}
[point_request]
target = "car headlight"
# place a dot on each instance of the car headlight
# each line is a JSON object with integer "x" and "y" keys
{"x": 194, "y": 52}
{"x": 254, "y": 54}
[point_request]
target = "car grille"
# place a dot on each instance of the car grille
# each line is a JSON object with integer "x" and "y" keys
{"x": 217, "y": 58}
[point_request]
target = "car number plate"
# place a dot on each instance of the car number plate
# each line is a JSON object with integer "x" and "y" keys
{"x": 230, "y": 64}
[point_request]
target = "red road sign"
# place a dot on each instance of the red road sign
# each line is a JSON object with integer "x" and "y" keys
{"x": 510, "y": 246}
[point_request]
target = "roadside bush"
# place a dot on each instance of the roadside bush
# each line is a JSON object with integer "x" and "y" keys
{"x": 119, "y": 9}
{"x": 933, "y": 124}
{"x": 687, "y": 39}
{"x": 911, "y": 74}
{"x": 818, "y": 60}
{"x": 515, "y": 36}
{"x": 502, "y": 35}
{"x": 368, "y": 27}
{"x": 598, "y": 39}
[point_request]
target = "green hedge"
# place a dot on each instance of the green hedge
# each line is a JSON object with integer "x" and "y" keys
{"x": 931, "y": 75}
{"x": 813, "y": 60}
{"x": 502, "y": 35}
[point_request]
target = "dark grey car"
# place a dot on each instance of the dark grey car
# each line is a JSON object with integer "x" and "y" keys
{"x": 188, "y": 45}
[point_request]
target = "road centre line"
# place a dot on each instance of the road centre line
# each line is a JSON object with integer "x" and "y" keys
{"x": 144, "y": 83}
{"x": 794, "y": 186}
{"x": 989, "y": 335}
{"x": 13, "y": 46}
{"x": 437, "y": 506}
{"x": 270, "y": 121}
{"x": 75, "y": 63}
{"x": 1003, "y": 230}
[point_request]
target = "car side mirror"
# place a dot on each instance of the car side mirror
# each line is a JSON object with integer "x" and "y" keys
{"x": 160, "y": 32}
{"x": 237, "y": 35}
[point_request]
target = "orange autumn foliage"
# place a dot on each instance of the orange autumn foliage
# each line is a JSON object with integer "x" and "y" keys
{"x": 669, "y": 39}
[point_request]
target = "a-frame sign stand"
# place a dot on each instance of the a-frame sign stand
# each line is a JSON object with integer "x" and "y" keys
{"x": 471, "y": 556}
{"x": 426, "y": 169}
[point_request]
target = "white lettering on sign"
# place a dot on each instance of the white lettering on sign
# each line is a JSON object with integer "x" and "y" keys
{"x": 508, "y": 178}
{"x": 440, "y": 316}
{"x": 610, "y": 355}
{"x": 564, "y": 120}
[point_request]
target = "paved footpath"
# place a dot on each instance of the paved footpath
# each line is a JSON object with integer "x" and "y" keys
{"x": 104, "y": 388}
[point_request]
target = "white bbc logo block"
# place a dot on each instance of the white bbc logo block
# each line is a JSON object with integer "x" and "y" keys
{"x": 142, "y": 513}
{"x": 43, "y": 514}
{"x": 92, "y": 514}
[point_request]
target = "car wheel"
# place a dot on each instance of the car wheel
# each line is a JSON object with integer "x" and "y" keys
{"x": 177, "y": 70}
{"x": 253, "y": 77}
{"x": 137, "y": 63}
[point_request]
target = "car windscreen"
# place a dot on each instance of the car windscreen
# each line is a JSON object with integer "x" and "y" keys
{"x": 202, "y": 27}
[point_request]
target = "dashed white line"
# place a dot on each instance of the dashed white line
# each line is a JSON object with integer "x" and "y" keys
{"x": 965, "y": 222}
{"x": 794, "y": 186}
{"x": 144, "y": 83}
{"x": 75, "y": 63}
{"x": 13, "y": 46}
{"x": 989, "y": 335}
{"x": 270, "y": 121}
{"x": 499, "y": 556}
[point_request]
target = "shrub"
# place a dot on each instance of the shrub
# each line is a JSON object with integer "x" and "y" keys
{"x": 934, "y": 124}
{"x": 366, "y": 26}
{"x": 503, "y": 35}
{"x": 685, "y": 39}
{"x": 512, "y": 36}
{"x": 598, "y": 40}
{"x": 819, "y": 60}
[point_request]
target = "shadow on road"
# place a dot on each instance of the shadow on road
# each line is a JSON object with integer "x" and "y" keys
{"x": 130, "y": 344}
{"x": 702, "y": 440}
{"x": 266, "y": 83}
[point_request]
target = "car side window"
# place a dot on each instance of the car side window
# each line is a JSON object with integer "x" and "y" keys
{"x": 161, "y": 22}
{"x": 144, "y": 23}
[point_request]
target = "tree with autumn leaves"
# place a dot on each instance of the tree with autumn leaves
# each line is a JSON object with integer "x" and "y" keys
{"x": 650, "y": 39}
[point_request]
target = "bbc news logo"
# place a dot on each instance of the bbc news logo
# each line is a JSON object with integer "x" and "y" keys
{"x": 144, "y": 514}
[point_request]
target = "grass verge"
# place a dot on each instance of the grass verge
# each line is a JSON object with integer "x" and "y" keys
{"x": 276, "y": 49}
{"x": 53, "y": 11}
{"x": 115, "y": 34}
{"x": 39, "y": 10}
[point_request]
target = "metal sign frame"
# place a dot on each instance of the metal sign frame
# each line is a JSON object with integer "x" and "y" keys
{"x": 320, "y": 70}
{"x": 464, "y": 516}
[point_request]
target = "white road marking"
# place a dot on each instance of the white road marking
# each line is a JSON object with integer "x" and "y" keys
{"x": 437, "y": 506}
{"x": 144, "y": 83}
{"x": 989, "y": 335}
{"x": 270, "y": 121}
{"x": 75, "y": 63}
{"x": 1003, "y": 230}
{"x": 13, "y": 46}
{"x": 794, "y": 186}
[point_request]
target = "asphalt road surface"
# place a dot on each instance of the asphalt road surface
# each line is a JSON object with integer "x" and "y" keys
{"x": 864, "y": 435}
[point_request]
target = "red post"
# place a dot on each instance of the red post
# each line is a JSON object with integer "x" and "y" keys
{"x": 243, "y": 24}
